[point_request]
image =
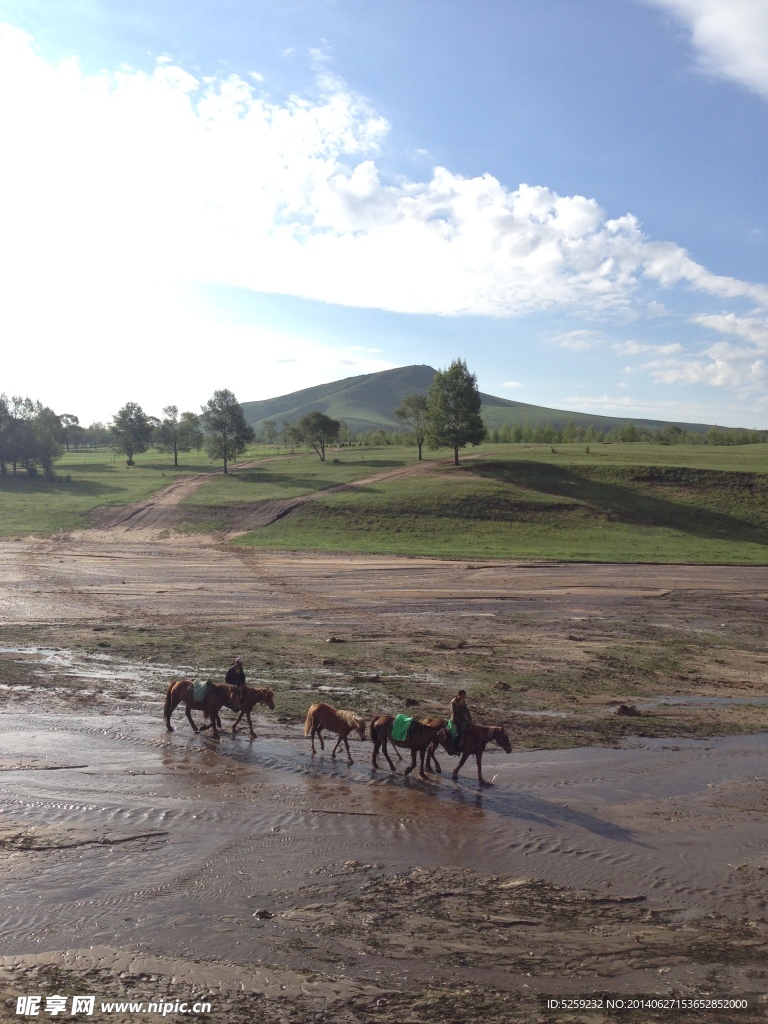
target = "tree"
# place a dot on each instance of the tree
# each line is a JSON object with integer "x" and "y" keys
{"x": 453, "y": 407}
{"x": 47, "y": 440}
{"x": 317, "y": 430}
{"x": 175, "y": 435}
{"x": 131, "y": 431}
{"x": 227, "y": 435}
{"x": 413, "y": 411}
{"x": 269, "y": 429}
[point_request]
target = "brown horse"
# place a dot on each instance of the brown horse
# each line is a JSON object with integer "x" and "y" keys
{"x": 419, "y": 738}
{"x": 249, "y": 698}
{"x": 323, "y": 716}
{"x": 217, "y": 695}
{"x": 474, "y": 741}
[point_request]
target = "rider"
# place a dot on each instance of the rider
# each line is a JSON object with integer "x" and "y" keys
{"x": 461, "y": 716}
{"x": 236, "y": 676}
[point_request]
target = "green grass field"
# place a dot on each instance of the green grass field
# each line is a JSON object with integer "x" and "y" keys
{"x": 620, "y": 502}
{"x": 530, "y": 503}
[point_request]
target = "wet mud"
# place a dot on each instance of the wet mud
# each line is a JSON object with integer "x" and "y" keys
{"x": 140, "y": 864}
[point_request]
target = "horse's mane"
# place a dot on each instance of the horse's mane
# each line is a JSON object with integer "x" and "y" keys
{"x": 353, "y": 720}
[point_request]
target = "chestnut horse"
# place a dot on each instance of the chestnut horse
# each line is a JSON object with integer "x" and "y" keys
{"x": 419, "y": 738}
{"x": 217, "y": 695}
{"x": 474, "y": 740}
{"x": 323, "y": 716}
{"x": 249, "y": 698}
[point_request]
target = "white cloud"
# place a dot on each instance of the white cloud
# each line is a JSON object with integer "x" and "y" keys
{"x": 132, "y": 177}
{"x": 577, "y": 341}
{"x": 511, "y": 384}
{"x": 730, "y": 36}
{"x": 635, "y": 348}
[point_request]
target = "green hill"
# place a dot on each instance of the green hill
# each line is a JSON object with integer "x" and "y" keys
{"x": 368, "y": 402}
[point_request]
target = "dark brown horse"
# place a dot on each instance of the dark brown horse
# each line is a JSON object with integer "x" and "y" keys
{"x": 419, "y": 738}
{"x": 249, "y": 698}
{"x": 474, "y": 740}
{"x": 217, "y": 695}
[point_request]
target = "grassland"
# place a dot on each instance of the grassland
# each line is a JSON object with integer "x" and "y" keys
{"x": 621, "y": 502}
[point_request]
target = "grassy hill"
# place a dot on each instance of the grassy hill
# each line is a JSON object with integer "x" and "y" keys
{"x": 368, "y": 402}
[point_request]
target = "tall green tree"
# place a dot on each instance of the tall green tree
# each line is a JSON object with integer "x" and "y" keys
{"x": 414, "y": 413}
{"x": 227, "y": 435}
{"x": 48, "y": 435}
{"x": 131, "y": 431}
{"x": 174, "y": 434}
{"x": 316, "y": 430}
{"x": 453, "y": 407}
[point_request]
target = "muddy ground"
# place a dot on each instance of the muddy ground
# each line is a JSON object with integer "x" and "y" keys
{"x": 616, "y": 853}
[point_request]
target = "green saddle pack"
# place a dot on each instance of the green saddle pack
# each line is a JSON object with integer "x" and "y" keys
{"x": 400, "y": 728}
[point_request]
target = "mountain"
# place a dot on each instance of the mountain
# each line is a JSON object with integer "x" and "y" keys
{"x": 368, "y": 402}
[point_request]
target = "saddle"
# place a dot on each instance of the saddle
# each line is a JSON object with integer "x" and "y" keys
{"x": 400, "y": 727}
{"x": 200, "y": 689}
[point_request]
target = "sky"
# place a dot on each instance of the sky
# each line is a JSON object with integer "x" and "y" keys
{"x": 265, "y": 195}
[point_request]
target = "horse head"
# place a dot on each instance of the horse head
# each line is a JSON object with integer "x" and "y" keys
{"x": 360, "y": 726}
{"x": 500, "y": 736}
{"x": 268, "y": 698}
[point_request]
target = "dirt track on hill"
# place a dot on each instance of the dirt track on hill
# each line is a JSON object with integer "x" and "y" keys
{"x": 162, "y": 511}
{"x": 140, "y": 864}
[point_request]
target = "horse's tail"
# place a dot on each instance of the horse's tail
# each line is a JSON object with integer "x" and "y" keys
{"x": 373, "y": 729}
{"x": 309, "y": 721}
{"x": 167, "y": 709}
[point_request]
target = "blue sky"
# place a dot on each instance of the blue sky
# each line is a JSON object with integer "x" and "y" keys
{"x": 569, "y": 194}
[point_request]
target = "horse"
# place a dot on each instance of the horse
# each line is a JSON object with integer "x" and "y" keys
{"x": 474, "y": 740}
{"x": 435, "y": 723}
{"x": 217, "y": 695}
{"x": 419, "y": 738}
{"x": 323, "y": 716}
{"x": 249, "y": 698}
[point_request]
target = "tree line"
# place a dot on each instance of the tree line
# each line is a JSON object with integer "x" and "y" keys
{"x": 33, "y": 436}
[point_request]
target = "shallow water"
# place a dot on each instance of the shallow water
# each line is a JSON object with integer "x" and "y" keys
{"x": 172, "y": 841}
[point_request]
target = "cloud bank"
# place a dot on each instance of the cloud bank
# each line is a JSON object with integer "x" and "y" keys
{"x": 730, "y": 37}
{"x": 129, "y": 176}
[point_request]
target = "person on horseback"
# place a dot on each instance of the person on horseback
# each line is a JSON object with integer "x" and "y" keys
{"x": 460, "y": 716}
{"x": 236, "y": 677}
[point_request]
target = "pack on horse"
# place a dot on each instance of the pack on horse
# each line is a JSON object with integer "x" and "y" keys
{"x": 249, "y": 698}
{"x": 214, "y": 697}
{"x": 474, "y": 740}
{"x": 323, "y": 716}
{"x": 417, "y": 740}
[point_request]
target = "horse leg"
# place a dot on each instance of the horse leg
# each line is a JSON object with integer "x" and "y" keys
{"x": 412, "y": 765}
{"x": 320, "y": 736}
{"x": 174, "y": 704}
{"x": 189, "y": 716}
{"x": 386, "y": 754}
{"x": 421, "y": 768}
{"x": 336, "y": 747}
{"x": 480, "y": 779}
{"x": 376, "y": 745}
{"x": 250, "y": 725}
{"x": 432, "y": 759}
{"x": 346, "y": 744}
{"x": 458, "y": 766}
{"x": 237, "y": 721}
